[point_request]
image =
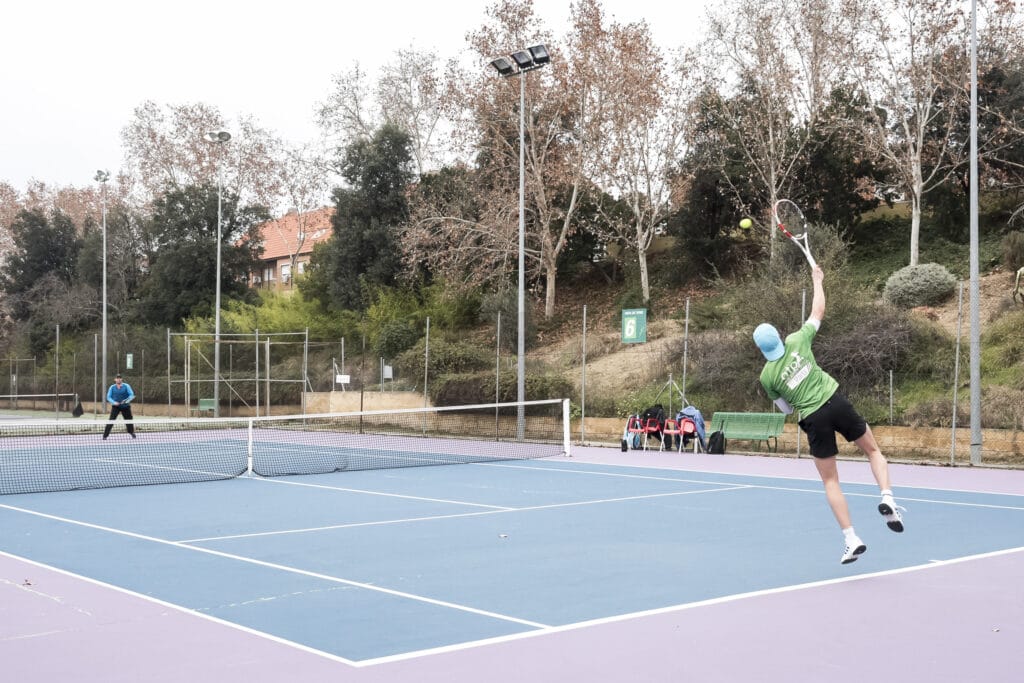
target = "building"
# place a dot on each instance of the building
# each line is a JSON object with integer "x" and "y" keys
{"x": 287, "y": 244}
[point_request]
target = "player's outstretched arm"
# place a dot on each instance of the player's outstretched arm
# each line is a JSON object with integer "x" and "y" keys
{"x": 818, "y": 301}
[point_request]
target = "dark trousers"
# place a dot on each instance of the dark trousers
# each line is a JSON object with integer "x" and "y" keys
{"x": 123, "y": 409}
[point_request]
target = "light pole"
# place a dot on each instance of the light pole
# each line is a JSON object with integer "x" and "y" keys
{"x": 517, "y": 64}
{"x": 217, "y": 137}
{"x": 102, "y": 177}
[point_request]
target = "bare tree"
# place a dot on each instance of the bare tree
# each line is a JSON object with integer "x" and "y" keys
{"x": 908, "y": 62}
{"x": 771, "y": 66}
{"x": 165, "y": 149}
{"x": 409, "y": 92}
{"x": 638, "y": 132}
{"x": 304, "y": 185}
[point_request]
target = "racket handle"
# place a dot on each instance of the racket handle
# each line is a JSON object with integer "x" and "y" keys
{"x": 810, "y": 259}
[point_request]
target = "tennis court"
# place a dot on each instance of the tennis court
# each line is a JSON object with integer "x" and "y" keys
{"x": 601, "y": 566}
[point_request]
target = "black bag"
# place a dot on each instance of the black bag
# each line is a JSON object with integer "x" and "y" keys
{"x": 716, "y": 443}
{"x": 78, "y": 411}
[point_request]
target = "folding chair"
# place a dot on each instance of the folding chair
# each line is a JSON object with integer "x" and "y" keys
{"x": 671, "y": 431}
{"x": 652, "y": 426}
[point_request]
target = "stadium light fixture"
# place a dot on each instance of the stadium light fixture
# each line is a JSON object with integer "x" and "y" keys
{"x": 517, "y": 64}
{"x": 218, "y": 138}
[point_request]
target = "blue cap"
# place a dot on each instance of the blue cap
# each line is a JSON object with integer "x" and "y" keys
{"x": 768, "y": 340}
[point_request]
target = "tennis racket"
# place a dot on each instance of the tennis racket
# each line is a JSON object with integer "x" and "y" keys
{"x": 793, "y": 225}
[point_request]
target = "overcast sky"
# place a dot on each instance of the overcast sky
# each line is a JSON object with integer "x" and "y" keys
{"x": 72, "y": 72}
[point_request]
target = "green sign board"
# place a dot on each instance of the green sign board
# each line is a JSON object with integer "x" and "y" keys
{"x": 634, "y": 325}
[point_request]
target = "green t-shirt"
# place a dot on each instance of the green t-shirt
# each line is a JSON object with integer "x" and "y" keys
{"x": 796, "y": 377}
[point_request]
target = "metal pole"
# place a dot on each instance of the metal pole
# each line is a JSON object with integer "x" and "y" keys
{"x": 426, "y": 362}
{"x": 305, "y": 369}
{"x": 169, "y": 413}
{"x": 56, "y": 377}
{"x": 975, "y": 294}
{"x": 686, "y": 348}
{"x": 103, "y": 203}
{"x": 256, "y": 344}
{"x": 583, "y": 382}
{"x": 956, "y": 372}
{"x": 95, "y": 382}
{"x": 521, "y": 344}
{"x": 216, "y": 324}
{"x": 497, "y": 371}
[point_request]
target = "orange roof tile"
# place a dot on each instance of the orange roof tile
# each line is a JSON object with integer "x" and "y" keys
{"x": 283, "y": 236}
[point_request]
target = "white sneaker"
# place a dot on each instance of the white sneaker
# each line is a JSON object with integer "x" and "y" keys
{"x": 891, "y": 511}
{"x": 854, "y": 547}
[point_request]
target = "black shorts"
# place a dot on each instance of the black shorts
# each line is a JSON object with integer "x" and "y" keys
{"x": 837, "y": 415}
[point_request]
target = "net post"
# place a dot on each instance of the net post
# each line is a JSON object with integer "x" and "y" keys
{"x": 248, "y": 446}
{"x": 565, "y": 428}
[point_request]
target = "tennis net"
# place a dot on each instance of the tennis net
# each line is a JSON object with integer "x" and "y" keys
{"x": 13, "y": 405}
{"x": 60, "y": 455}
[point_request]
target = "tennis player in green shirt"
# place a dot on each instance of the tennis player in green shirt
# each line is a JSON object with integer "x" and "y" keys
{"x": 795, "y": 382}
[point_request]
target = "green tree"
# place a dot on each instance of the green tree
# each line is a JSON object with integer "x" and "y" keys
{"x": 42, "y": 247}
{"x": 364, "y": 249}
{"x": 180, "y": 246}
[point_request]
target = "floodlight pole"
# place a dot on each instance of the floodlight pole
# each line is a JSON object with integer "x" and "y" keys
{"x": 218, "y": 137}
{"x": 521, "y": 320}
{"x": 525, "y": 61}
{"x": 974, "y": 269}
{"x": 102, "y": 177}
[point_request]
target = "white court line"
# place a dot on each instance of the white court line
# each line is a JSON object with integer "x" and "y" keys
{"x": 817, "y": 489}
{"x": 462, "y": 514}
{"x": 280, "y": 567}
{"x": 183, "y": 610}
{"x": 582, "y": 460}
{"x": 374, "y": 493}
{"x": 686, "y": 606}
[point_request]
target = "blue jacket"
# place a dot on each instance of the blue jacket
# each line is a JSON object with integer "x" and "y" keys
{"x": 122, "y": 395}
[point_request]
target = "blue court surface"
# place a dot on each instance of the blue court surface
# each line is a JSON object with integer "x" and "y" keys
{"x": 364, "y": 572}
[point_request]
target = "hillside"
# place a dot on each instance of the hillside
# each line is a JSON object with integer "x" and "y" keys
{"x": 616, "y": 367}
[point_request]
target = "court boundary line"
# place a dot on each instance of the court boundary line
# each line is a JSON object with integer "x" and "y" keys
{"x": 281, "y": 567}
{"x": 680, "y": 608}
{"x": 179, "y": 608}
{"x": 812, "y": 480}
{"x": 583, "y": 460}
{"x": 539, "y": 629}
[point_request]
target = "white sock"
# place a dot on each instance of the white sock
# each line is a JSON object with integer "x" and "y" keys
{"x": 887, "y": 493}
{"x": 849, "y": 533}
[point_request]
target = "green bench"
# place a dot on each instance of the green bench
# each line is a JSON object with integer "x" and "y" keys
{"x": 206, "y": 405}
{"x": 752, "y": 427}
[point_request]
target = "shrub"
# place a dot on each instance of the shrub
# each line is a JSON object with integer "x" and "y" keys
{"x": 472, "y": 388}
{"x": 445, "y": 358}
{"x": 921, "y": 285}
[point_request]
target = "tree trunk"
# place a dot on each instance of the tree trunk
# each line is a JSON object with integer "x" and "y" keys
{"x": 550, "y": 273}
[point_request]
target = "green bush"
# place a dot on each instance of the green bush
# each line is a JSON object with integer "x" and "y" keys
{"x": 926, "y": 284}
{"x": 395, "y": 336}
{"x": 472, "y": 388}
{"x": 446, "y": 358}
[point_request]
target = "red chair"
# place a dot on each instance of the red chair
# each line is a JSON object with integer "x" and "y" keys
{"x": 652, "y": 426}
{"x": 671, "y": 431}
{"x": 688, "y": 429}
{"x": 634, "y": 428}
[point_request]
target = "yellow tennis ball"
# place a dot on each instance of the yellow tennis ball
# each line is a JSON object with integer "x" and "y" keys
{"x": 746, "y": 223}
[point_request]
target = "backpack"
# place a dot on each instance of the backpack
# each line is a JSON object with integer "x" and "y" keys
{"x": 716, "y": 443}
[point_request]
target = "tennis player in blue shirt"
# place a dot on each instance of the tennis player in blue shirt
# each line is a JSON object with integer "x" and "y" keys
{"x": 120, "y": 396}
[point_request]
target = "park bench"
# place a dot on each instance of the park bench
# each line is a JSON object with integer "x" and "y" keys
{"x": 206, "y": 406}
{"x": 752, "y": 427}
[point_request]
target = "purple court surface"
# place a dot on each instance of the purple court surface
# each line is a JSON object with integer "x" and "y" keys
{"x": 958, "y": 619}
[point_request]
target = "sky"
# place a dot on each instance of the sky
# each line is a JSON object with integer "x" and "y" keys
{"x": 72, "y": 72}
